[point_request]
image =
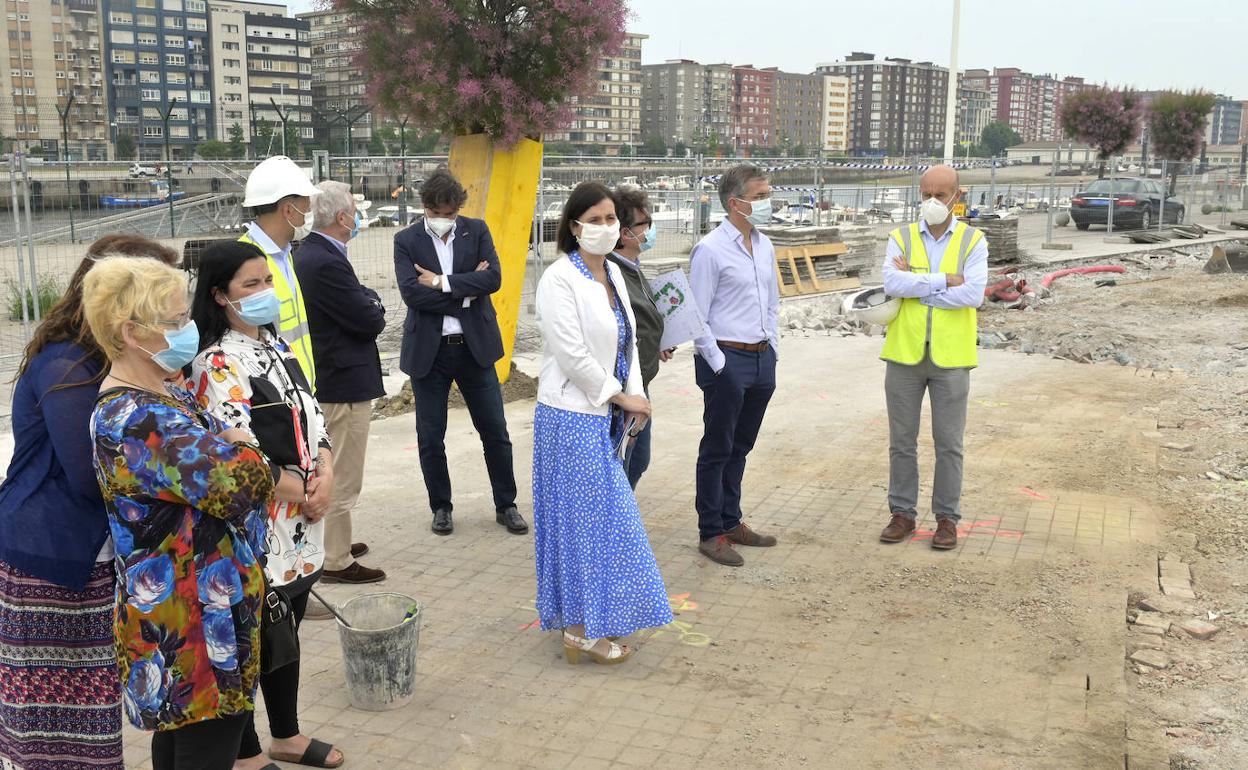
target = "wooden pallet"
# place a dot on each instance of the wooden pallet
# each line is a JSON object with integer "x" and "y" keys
{"x": 794, "y": 256}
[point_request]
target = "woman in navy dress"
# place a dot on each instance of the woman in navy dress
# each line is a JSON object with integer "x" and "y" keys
{"x": 596, "y": 575}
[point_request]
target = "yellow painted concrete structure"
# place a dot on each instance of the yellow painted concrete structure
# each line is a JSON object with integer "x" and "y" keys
{"x": 502, "y": 190}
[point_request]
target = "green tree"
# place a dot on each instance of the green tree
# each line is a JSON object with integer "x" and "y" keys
{"x": 594, "y": 149}
{"x": 425, "y": 144}
{"x": 654, "y": 147}
{"x": 1176, "y": 125}
{"x": 560, "y": 148}
{"x": 626, "y": 151}
{"x": 237, "y": 148}
{"x": 1107, "y": 119}
{"x": 293, "y": 142}
{"x": 678, "y": 150}
{"x": 125, "y": 146}
{"x": 213, "y": 150}
{"x": 377, "y": 144}
{"x": 263, "y": 136}
{"x": 997, "y": 136}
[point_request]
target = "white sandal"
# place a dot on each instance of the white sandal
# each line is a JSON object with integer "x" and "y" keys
{"x": 574, "y": 645}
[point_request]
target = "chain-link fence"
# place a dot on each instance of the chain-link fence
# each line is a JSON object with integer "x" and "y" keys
{"x": 50, "y": 211}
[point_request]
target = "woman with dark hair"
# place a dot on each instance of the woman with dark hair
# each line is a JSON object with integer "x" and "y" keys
{"x": 60, "y": 704}
{"x": 248, "y": 377}
{"x": 596, "y": 575}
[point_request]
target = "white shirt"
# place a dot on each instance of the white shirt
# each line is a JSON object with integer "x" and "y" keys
{"x": 446, "y": 258}
{"x": 579, "y": 340}
{"x": 280, "y": 256}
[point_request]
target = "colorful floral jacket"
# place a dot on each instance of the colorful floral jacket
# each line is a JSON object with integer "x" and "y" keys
{"x": 186, "y": 512}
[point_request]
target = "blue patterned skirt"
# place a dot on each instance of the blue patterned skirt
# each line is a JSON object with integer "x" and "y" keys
{"x": 594, "y": 563}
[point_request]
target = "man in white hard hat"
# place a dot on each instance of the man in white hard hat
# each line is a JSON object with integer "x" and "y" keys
{"x": 279, "y": 194}
{"x": 938, "y": 266}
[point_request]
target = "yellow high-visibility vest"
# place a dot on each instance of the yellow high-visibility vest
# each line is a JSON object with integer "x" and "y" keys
{"x": 953, "y": 333}
{"x": 293, "y": 317}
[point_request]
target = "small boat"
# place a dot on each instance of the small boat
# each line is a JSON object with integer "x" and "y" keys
{"x": 156, "y": 195}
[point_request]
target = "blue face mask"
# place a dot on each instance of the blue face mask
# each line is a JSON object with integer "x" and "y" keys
{"x": 355, "y": 230}
{"x": 760, "y": 212}
{"x": 183, "y": 345}
{"x": 651, "y": 236}
{"x": 258, "y": 309}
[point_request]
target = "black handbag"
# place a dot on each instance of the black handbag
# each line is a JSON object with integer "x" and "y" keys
{"x": 279, "y": 638}
{"x": 273, "y": 419}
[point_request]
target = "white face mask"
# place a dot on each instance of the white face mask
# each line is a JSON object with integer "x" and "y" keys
{"x": 439, "y": 225}
{"x": 933, "y": 212}
{"x": 304, "y": 230}
{"x": 598, "y": 239}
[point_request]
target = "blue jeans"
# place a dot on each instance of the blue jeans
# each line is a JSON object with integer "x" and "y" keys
{"x": 733, "y": 404}
{"x": 638, "y": 458}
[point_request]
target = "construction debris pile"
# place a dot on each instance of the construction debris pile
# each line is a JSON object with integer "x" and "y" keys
{"x": 835, "y": 254}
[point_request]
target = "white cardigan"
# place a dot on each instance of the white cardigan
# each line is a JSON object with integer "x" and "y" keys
{"x": 579, "y": 340}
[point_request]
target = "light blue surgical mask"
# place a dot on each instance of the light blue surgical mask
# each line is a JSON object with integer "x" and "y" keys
{"x": 183, "y": 345}
{"x": 355, "y": 228}
{"x": 760, "y": 213}
{"x": 651, "y": 237}
{"x": 258, "y": 309}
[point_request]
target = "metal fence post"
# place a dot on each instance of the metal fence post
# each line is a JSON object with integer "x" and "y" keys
{"x": 1165, "y": 193}
{"x": 992, "y": 186}
{"x": 1048, "y": 225}
{"x": 30, "y": 241}
{"x": 14, "y": 162}
{"x": 1113, "y": 169}
{"x": 695, "y": 216}
{"x": 1225, "y": 205}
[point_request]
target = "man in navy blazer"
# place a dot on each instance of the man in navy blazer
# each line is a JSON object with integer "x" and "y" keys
{"x": 447, "y": 269}
{"x": 344, "y": 319}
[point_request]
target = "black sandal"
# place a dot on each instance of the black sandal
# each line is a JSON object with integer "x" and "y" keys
{"x": 314, "y": 756}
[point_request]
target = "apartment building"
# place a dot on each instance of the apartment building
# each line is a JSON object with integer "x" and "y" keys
{"x": 974, "y": 112}
{"x": 798, "y": 112}
{"x": 753, "y": 105}
{"x": 673, "y": 99}
{"x": 1029, "y": 104}
{"x": 339, "y": 86}
{"x": 158, "y": 65}
{"x": 898, "y": 106}
{"x": 1226, "y": 122}
{"x": 610, "y": 118}
{"x": 837, "y": 100}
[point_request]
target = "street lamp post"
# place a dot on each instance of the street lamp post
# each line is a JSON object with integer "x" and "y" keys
{"x": 951, "y": 101}
{"x": 69, "y": 195}
{"x": 169, "y": 166}
{"x": 403, "y": 171}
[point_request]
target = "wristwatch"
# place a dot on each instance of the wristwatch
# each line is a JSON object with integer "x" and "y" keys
{"x": 437, "y": 282}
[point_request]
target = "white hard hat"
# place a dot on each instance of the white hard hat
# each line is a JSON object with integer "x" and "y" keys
{"x": 274, "y": 179}
{"x": 872, "y": 306}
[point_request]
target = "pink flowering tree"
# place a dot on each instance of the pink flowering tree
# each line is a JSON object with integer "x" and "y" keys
{"x": 1104, "y": 118}
{"x": 505, "y": 68}
{"x": 1176, "y": 123}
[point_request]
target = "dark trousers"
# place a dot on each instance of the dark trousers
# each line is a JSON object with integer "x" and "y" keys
{"x": 208, "y": 745}
{"x": 638, "y": 458}
{"x": 281, "y": 694}
{"x": 733, "y": 405}
{"x": 484, "y": 398}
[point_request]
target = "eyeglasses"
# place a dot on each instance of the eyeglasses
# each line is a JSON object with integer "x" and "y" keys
{"x": 168, "y": 323}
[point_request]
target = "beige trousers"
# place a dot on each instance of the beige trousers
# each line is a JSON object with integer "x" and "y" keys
{"x": 348, "y": 432}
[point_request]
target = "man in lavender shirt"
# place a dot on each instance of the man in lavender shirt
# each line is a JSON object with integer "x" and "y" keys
{"x": 733, "y": 276}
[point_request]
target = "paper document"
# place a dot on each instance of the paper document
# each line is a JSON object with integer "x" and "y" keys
{"x": 621, "y": 447}
{"x": 682, "y": 318}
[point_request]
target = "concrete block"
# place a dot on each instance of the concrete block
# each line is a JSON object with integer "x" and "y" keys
{"x": 1199, "y": 629}
{"x": 1152, "y": 620}
{"x": 1151, "y": 658}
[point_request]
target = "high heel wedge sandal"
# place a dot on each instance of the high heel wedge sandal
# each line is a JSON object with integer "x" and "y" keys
{"x": 574, "y": 646}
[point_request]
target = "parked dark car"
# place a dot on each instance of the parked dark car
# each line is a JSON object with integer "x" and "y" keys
{"x": 1137, "y": 204}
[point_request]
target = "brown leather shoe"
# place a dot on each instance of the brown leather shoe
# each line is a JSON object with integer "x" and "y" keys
{"x": 358, "y": 550}
{"x": 355, "y": 574}
{"x": 899, "y": 528}
{"x": 743, "y": 535}
{"x": 946, "y": 536}
{"x": 719, "y": 550}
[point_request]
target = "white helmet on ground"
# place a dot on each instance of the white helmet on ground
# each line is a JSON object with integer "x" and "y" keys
{"x": 274, "y": 179}
{"x": 872, "y": 306}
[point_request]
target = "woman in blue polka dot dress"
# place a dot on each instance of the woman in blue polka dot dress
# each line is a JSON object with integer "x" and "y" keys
{"x": 596, "y": 575}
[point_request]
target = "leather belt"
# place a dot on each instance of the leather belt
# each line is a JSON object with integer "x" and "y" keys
{"x": 453, "y": 339}
{"x": 753, "y": 347}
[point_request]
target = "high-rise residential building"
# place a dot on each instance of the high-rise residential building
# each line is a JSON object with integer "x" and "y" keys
{"x": 974, "y": 112}
{"x": 753, "y": 105}
{"x": 611, "y": 117}
{"x": 279, "y": 74}
{"x": 1226, "y": 122}
{"x": 672, "y": 101}
{"x": 718, "y": 89}
{"x": 898, "y": 106}
{"x": 339, "y": 86}
{"x": 798, "y": 112}
{"x": 55, "y": 51}
{"x": 227, "y": 22}
{"x": 1029, "y": 104}
{"x": 157, "y": 64}
{"x": 837, "y": 96}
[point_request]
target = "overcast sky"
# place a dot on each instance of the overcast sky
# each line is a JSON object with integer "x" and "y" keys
{"x": 1148, "y": 44}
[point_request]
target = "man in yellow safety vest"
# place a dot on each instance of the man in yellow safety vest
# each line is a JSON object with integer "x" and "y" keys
{"x": 279, "y": 194}
{"x": 938, "y": 266}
